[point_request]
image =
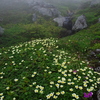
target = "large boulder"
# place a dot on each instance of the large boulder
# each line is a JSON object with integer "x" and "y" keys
{"x": 80, "y": 23}
{"x": 94, "y": 2}
{"x": 68, "y": 23}
{"x": 59, "y": 20}
{"x": 44, "y": 8}
{"x": 1, "y": 30}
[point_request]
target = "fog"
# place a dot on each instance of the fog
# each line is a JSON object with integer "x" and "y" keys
{"x": 8, "y": 2}
{"x": 72, "y": 4}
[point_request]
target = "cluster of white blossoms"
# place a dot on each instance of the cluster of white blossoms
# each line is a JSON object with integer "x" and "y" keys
{"x": 1, "y": 96}
{"x": 45, "y": 70}
{"x": 75, "y": 96}
{"x": 39, "y": 89}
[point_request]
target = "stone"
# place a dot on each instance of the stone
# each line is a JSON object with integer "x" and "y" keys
{"x": 98, "y": 94}
{"x": 1, "y": 30}
{"x": 67, "y": 23}
{"x": 97, "y": 50}
{"x": 94, "y": 2}
{"x": 99, "y": 20}
{"x": 80, "y": 23}
{"x": 97, "y": 69}
{"x": 45, "y": 8}
{"x": 34, "y": 17}
{"x": 1, "y": 19}
{"x": 59, "y": 20}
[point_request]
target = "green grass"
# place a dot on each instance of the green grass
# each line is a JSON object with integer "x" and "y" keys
{"x": 92, "y": 14}
{"x": 81, "y": 41}
{"x": 17, "y": 33}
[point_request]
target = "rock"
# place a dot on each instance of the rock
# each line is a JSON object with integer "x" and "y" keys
{"x": 1, "y": 30}
{"x": 97, "y": 69}
{"x": 34, "y": 18}
{"x": 44, "y": 8}
{"x": 97, "y": 50}
{"x": 80, "y": 23}
{"x": 1, "y": 19}
{"x": 98, "y": 94}
{"x": 99, "y": 20}
{"x": 67, "y": 23}
{"x": 59, "y": 20}
{"x": 94, "y": 2}
{"x": 65, "y": 33}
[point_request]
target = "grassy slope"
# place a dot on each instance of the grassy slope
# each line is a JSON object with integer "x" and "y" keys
{"x": 84, "y": 37}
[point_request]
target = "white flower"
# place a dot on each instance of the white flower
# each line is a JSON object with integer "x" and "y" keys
{"x": 69, "y": 83}
{"x": 63, "y": 79}
{"x": 51, "y": 82}
{"x": 1, "y": 94}
{"x": 7, "y": 88}
{"x": 77, "y": 97}
{"x": 57, "y": 93}
{"x": 70, "y": 70}
{"x": 69, "y": 79}
{"x": 2, "y": 98}
{"x": 61, "y": 86}
{"x": 48, "y": 96}
{"x": 76, "y": 86}
{"x": 24, "y": 77}
{"x": 49, "y": 72}
{"x": 33, "y": 75}
{"x": 55, "y": 97}
{"x": 36, "y": 90}
{"x": 57, "y": 85}
{"x": 73, "y": 95}
{"x": 30, "y": 85}
{"x": 70, "y": 89}
{"x": 62, "y": 92}
{"x": 41, "y": 92}
{"x": 34, "y": 83}
{"x": 75, "y": 78}
{"x": 72, "y": 83}
{"x": 85, "y": 85}
{"x": 14, "y": 98}
{"x": 69, "y": 74}
{"x": 80, "y": 87}
{"x": 15, "y": 80}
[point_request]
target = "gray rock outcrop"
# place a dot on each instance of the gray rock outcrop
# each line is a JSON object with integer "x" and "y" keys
{"x": 80, "y": 23}
{"x": 99, "y": 20}
{"x": 1, "y": 30}
{"x": 59, "y": 20}
{"x": 44, "y": 8}
{"x": 94, "y": 2}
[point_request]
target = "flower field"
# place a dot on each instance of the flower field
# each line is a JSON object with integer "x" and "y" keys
{"x": 39, "y": 70}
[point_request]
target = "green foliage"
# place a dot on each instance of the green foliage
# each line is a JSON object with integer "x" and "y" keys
{"x": 96, "y": 46}
{"x": 16, "y": 33}
{"x": 39, "y": 70}
{"x": 81, "y": 41}
{"x": 92, "y": 14}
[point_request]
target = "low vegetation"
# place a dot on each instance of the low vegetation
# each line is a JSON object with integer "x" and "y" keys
{"x": 39, "y": 70}
{"x": 36, "y": 64}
